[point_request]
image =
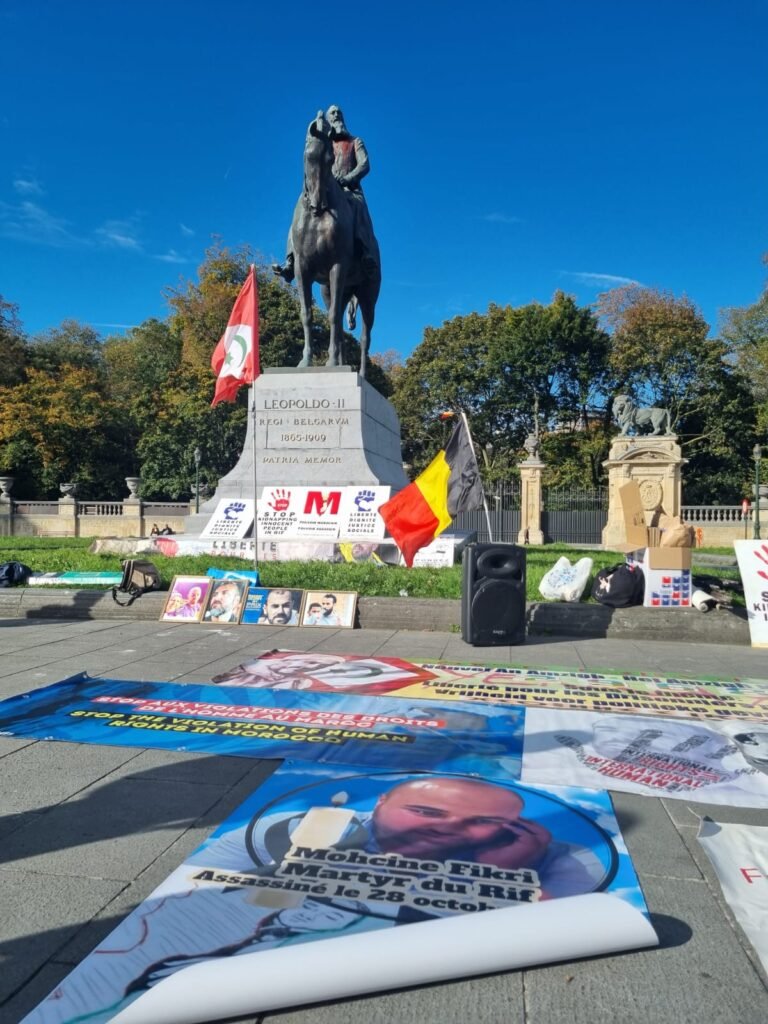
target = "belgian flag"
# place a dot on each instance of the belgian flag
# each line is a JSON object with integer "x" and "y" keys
{"x": 450, "y": 484}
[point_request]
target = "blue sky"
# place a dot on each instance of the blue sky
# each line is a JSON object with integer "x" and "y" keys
{"x": 516, "y": 148}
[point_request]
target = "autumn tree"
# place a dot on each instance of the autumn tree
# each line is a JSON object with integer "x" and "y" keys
{"x": 661, "y": 355}
{"x": 657, "y": 343}
{"x": 57, "y": 426}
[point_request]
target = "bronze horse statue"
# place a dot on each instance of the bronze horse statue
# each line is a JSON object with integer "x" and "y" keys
{"x": 322, "y": 239}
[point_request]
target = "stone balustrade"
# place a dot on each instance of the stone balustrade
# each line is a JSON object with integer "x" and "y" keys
{"x": 69, "y": 517}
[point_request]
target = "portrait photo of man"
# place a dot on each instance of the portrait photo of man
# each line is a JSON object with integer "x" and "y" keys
{"x": 323, "y": 608}
{"x": 281, "y": 608}
{"x": 226, "y": 602}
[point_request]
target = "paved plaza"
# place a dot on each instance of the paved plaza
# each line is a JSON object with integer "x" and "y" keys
{"x": 88, "y": 831}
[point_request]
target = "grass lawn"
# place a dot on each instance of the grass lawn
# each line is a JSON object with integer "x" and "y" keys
{"x": 53, "y": 554}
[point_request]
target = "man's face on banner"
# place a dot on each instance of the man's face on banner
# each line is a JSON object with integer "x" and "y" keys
{"x": 432, "y": 819}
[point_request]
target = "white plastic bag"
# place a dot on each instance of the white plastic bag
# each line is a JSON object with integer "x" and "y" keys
{"x": 566, "y": 582}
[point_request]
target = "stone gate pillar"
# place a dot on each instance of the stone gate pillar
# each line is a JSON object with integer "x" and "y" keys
{"x": 530, "y": 498}
{"x": 655, "y": 464}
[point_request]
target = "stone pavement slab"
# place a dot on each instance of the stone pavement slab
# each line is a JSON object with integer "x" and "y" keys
{"x": 90, "y": 831}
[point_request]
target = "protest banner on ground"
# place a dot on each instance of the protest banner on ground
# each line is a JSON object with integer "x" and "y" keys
{"x": 372, "y": 731}
{"x": 739, "y": 855}
{"x": 676, "y": 758}
{"x": 620, "y": 693}
{"x": 398, "y": 868}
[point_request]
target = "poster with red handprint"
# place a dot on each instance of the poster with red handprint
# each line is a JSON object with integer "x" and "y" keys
{"x": 321, "y": 513}
{"x": 752, "y": 556}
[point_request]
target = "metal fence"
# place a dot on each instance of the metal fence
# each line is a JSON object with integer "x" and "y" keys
{"x": 505, "y": 524}
{"x": 573, "y": 515}
{"x": 504, "y": 512}
{"x": 570, "y": 515}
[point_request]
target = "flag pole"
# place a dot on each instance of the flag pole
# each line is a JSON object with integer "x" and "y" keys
{"x": 255, "y": 468}
{"x": 485, "y": 502}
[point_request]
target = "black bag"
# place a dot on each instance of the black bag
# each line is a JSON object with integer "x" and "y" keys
{"x": 14, "y": 573}
{"x": 619, "y": 586}
{"x": 138, "y": 578}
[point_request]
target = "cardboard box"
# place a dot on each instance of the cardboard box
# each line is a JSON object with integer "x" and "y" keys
{"x": 666, "y": 586}
{"x": 634, "y": 517}
{"x": 640, "y": 536}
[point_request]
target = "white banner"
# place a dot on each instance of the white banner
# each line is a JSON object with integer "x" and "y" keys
{"x": 423, "y": 953}
{"x": 752, "y": 556}
{"x": 669, "y": 757}
{"x": 232, "y": 519}
{"x": 739, "y": 855}
{"x": 321, "y": 513}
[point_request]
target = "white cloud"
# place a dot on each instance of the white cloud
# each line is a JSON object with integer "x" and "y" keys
{"x": 501, "y": 218}
{"x": 29, "y": 222}
{"x": 121, "y": 234}
{"x": 28, "y": 187}
{"x": 171, "y": 257}
{"x": 187, "y": 232}
{"x": 600, "y": 280}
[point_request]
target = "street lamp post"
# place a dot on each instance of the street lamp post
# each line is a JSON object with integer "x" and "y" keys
{"x": 197, "y": 455}
{"x": 757, "y": 455}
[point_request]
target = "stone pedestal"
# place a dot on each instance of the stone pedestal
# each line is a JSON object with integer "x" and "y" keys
{"x": 530, "y": 501}
{"x": 314, "y": 426}
{"x": 655, "y": 464}
{"x": 67, "y": 522}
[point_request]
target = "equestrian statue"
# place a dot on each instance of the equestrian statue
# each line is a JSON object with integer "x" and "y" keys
{"x": 331, "y": 240}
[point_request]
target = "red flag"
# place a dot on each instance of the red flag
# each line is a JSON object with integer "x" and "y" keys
{"x": 235, "y": 360}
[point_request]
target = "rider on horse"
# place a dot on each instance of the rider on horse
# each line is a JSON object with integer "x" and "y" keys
{"x": 350, "y": 166}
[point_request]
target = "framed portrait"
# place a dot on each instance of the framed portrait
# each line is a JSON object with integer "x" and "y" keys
{"x": 329, "y": 608}
{"x": 186, "y": 599}
{"x": 226, "y": 602}
{"x": 273, "y": 606}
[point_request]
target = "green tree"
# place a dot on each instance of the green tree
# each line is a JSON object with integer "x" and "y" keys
{"x": 498, "y": 367}
{"x": 181, "y": 419}
{"x": 746, "y": 331}
{"x": 13, "y": 345}
{"x": 71, "y": 344}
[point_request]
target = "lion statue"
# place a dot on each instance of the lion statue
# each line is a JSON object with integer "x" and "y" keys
{"x": 629, "y": 416}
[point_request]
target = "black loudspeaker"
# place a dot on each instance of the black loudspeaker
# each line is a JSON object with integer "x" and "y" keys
{"x": 493, "y": 594}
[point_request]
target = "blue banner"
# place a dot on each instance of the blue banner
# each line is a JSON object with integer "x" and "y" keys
{"x": 387, "y": 732}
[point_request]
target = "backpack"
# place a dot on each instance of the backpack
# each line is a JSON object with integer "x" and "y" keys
{"x": 619, "y": 586}
{"x": 138, "y": 578}
{"x": 13, "y": 573}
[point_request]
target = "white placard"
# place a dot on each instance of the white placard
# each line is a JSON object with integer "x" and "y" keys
{"x": 437, "y": 555}
{"x": 739, "y": 855}
{"x": 233, "y": 519}
{"x": 752, "y": 556}
{"x": 321, "y": 513}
